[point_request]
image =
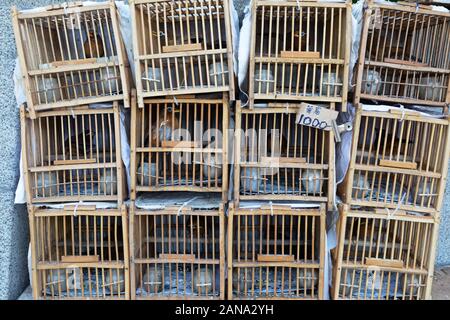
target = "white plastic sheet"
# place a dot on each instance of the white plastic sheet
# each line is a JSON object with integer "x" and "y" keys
{"x": 234, "y": 35}
{"x": 125, "y": 30}
{"x": 245, "y": 36}
{"x": 357, "y": 20}
{"x": 343, "y": 148}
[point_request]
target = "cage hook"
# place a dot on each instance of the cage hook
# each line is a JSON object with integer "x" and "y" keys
{"x": 64, "y": 5}
{"x": 185, "y": 204}
{"x": 391, "y": 214}
{"x": 402, "y": 108}
{"x": 76, "y": 207}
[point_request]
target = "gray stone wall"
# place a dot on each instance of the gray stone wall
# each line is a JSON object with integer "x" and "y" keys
{"x": 13, "y": 218}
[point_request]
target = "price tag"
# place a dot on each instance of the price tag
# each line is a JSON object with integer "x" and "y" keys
{"x": 316, "y": 116}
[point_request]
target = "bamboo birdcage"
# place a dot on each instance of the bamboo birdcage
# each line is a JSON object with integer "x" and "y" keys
{"x": 404, "y": 55}
{"x": 384, "y": 257}
{"x": 399, "y": 160}
{"x": 300, "y": 51}
{"x": 73, "y": 155}
{"x": 182, "y": 47}
{"x": 177, "y": 247}
{"x": 278, "y": 159}
{"x": 79, "y": 252}
{"x": 71, "y": 54}
{"x": 180, "y": 145}
{"x": 276, "y": 251}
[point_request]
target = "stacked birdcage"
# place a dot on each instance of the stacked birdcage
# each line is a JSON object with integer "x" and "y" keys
{"x": 394, "y": 187}
{"x": 285, "y": 148}
{"x": 76, "y": 80}
{"x": 179, "y": 147}
{"x": 404, "y": 55}
{"x": 276, "y": 251}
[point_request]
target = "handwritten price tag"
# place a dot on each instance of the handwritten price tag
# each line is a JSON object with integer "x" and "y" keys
{"x": 315, "y": 116}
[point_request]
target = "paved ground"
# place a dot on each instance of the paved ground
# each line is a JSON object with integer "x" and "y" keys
{"x": 441, "y": 286}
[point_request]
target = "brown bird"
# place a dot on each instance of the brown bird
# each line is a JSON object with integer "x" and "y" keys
{"x": 93, "y": 46}
{"x": 164, "y": 128}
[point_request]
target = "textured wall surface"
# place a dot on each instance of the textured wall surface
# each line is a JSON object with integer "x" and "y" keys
{"x": 13, "y": 218}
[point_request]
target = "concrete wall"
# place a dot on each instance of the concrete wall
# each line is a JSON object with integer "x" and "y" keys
{"x": 13, "y": 218}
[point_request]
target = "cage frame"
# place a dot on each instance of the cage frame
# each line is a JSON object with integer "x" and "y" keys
{"x": 405, "y": 7}
{"x": 281, "y": 108}
{"x": 34, "y": 213}
{"x": 269, "y": 209}
{"x": 345, "y": 189}
{"x": 135, "y": 109}
{"x": 174, "y": 211}
{"x": 383, "y": 265}
{"x": 116, "y": 166}
{"x": 73, "y": 65}
{"x": 177, "y": 53}
{"x": 344, "y": 62}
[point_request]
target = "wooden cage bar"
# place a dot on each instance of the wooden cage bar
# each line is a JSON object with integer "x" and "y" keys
{"x": 73, "y": 155}
{"x": 276, "y": 251}
{"x": 278, "y": 159}
{"x": 177, "y": 245}
{"x": 399, "y": 160}
{"x": 180, "y": 145}
{"x": 300, "y": 51}
{"x": 404, "y": 55}
{"x": 71, "y": 55}
{"x": 79, "y": 252}
{"x": 182, "y": 47}
{"x": 382, "y": 257}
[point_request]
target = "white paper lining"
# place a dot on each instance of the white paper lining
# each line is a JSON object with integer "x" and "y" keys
{"x": 98, "y": 205}
{"x": 161, "y": 200}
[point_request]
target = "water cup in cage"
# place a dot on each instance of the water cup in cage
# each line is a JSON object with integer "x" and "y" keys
{"x": 108, "y": 182}
{"x": 250, "y": 179}
{"x": 67, "y": 279}
{"x": 411, "y": 284}
{"x": 425, "y": 193}
{"x": 46, "y": 184}
{"x": 311, "y": 181}
{"x": 430, "y": 88}
{"x": 331, "y": 84}
{"x": 114, "y": 280}
{"x": 265, "y": 79}
{"x": 217, "y": 72}
{"x": 109, "y": 77}
{"x": 211, "y": 168}
{"x": 152, "y": 280}
{"x": 152, "y": 80}
{"x": 372, "y": 83}
{"x": 48, "y": 89}
{"x": 56, "y": 280}
{"x": 147, "y": 174}
{"x": 361, "y": 186}
{"x": 308, "y": 279}
{"x": 202, "y": 281}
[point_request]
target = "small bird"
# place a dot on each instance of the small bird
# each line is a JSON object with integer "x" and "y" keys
{"x": 94, "y": 43}
{"x": 164, "y": 128}
{"x": 81, "y": 144}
